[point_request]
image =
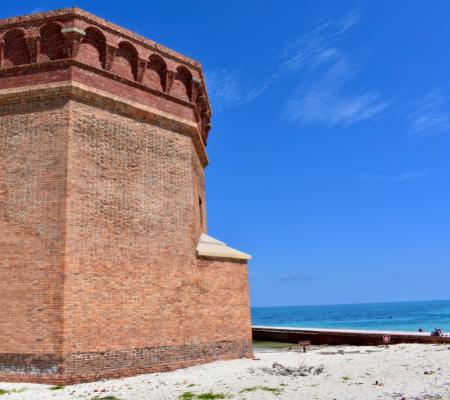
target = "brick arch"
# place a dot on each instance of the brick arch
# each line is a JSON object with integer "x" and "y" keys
{"x": 93, "y": 48}
{"x": 53, "y": 46}
{"x": 12, "y": 32}
{"x": 155, "y": 73}
{"x": 16, "y": 50}
{"x": 181, "y": 83}
{"x": 126, "y": 61}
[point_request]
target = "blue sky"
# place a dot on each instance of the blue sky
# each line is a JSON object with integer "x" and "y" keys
{"x": 330, "y": 143}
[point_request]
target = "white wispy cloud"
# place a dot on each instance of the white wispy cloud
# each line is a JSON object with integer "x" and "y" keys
{"x": 430, "y": 115}
{"x": 227, "y": 88}
{"x": 323, "y": 71}
{"x": 368, "y": 176}
{"x": 295, "y": 276}
{"x": 325, "y": 101}
{"x": 317, "y": 46}
{"x": 230, "y": 87}
{"x": 323, "y": 96}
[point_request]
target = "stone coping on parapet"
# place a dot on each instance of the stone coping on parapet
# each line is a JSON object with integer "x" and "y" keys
{"x": 210, "y": 247}
{"x": 117, "y": 104}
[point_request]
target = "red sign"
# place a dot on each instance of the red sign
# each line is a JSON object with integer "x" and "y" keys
{"x": 386, "y": 338}
{"x": 304, "y": 344}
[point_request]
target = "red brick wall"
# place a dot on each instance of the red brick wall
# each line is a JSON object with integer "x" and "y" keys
{"x": 131, "y": 233}
{"x": 133, "y": 227}
{"x": 33, "y": 170}
{"x": 225, "y": 300}
{"x": 102, "y": 203}
{"x": 121, "y": 202}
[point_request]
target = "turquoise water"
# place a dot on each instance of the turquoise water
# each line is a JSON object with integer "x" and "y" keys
{"x": 408, "y": 316}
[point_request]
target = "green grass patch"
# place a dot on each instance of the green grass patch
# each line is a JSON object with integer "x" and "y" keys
{"x": 346, "y": 378}
{"x": 275, "y": 391}
{"x": 57, "y": 388}
{"x": 107, "y": 398}
{"x": 187, "y": 396}
{"x": 249, "y": 390}
{"x": 203, "y": 396}
{"x": 211, "y": 396}
{"x": 3, "y": 391}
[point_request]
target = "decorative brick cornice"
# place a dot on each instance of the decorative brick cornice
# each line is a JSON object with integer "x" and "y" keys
{"x": 86, "y": 94}
{"x": 72, "y": 15}
{"x": 91, "y": 18}
{"x": 68, "y": 62}
{"x": 74, "y": 35}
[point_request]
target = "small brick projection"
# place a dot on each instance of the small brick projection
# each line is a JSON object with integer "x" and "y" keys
{"x": 102, "y": 203}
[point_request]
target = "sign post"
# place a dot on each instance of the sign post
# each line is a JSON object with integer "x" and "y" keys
{"x": 386, "y": 339}
{"x": 304, "y": 345}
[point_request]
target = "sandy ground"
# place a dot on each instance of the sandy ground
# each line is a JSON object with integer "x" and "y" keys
{"x": 349, "y": 373}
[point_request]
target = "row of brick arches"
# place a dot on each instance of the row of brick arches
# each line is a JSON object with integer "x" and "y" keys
{"x": 16, "y": 48}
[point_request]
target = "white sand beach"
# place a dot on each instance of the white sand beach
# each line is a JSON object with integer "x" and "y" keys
{"x": 350, "y": 372}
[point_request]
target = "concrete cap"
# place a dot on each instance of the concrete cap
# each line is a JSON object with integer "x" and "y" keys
{"x": 76, "y": 30}
{"x": 210, "y": 247}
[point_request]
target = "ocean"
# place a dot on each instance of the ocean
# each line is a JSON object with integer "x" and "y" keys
{"x": 407, "y": 316}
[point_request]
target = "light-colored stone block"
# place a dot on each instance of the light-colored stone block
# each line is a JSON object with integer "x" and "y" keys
{"x": 210, "y": 247}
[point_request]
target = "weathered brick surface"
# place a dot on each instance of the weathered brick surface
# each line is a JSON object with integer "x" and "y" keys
{"x": 90, "y": 367}
{"x": 224, "y": 292}
{"x": 102, "y": 203}
{"x": 33, "y": 166}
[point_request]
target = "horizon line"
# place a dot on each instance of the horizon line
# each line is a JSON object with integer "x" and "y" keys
{"x": 350, "y": 304}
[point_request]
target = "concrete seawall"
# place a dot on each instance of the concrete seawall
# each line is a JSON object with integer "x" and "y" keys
{"x": 342, "y": 336}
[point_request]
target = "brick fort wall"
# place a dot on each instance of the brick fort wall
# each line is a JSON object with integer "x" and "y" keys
{"x": 102, "y": 203}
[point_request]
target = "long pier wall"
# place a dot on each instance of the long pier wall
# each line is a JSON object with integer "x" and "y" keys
{"x": 343, "y": 336}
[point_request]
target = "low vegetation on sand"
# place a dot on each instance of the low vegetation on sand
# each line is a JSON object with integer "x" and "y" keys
{"x": 106, "y": 398}
{"x": 3, "y": 391}
{"x": 275, "y": 391}
{"x": 203, "y": 396}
